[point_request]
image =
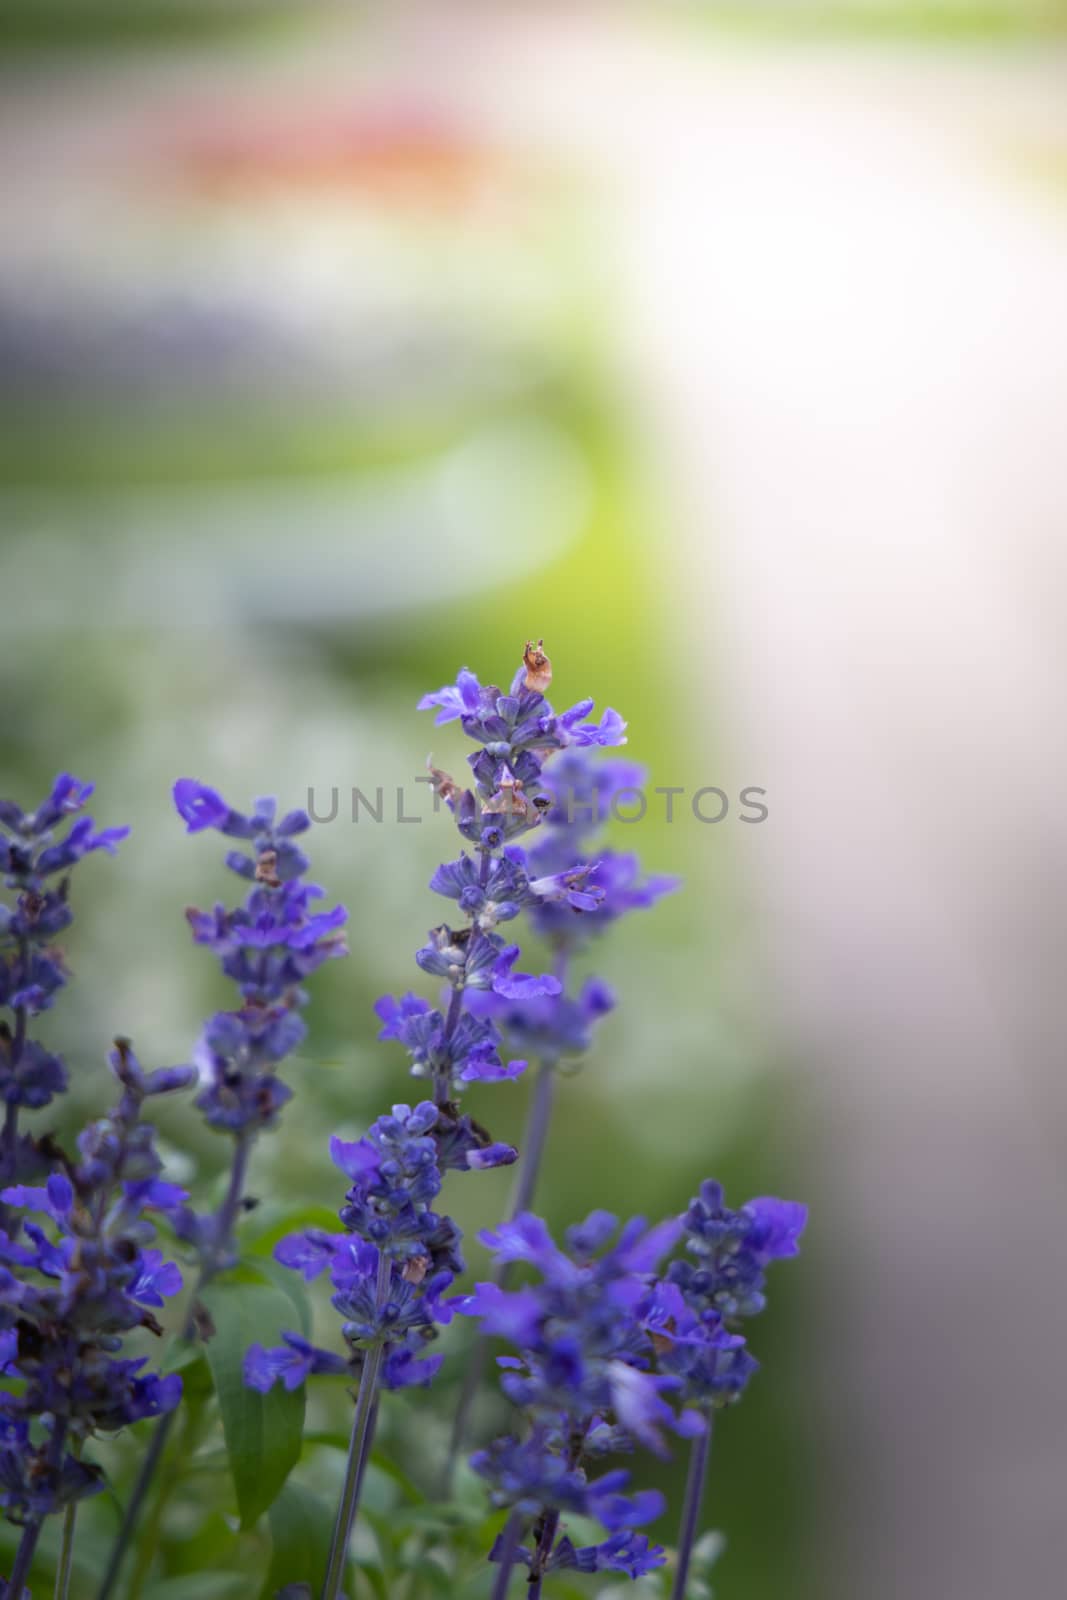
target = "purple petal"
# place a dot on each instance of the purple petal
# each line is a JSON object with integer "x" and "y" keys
{"x": 198, "y": 806}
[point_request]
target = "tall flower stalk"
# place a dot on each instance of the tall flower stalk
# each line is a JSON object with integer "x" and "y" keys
{"x": 696, "y": 1312}
{"x": 38, "y": 850}
{"x": 87, "y": 1277}
{"x": 582, "y": 790}
{"x": 607, "y": 1345}
{"x": 582, "y": 1383}
{"x": 268, "y": 947}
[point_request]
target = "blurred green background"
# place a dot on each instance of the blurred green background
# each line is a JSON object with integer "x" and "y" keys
{"x": 310, "y": 396}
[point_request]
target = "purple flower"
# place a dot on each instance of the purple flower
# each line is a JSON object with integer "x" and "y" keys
{"x": 517, "y": 733}
{"x": 38, "y": 849}
{"x": 268, "y": 947}
{"x": 516, "y": 1317}
{"x": 466, "y": 1052}
{"x": 397, "y": 1258}
{"x": 293, "y": 1362}
{"x": 520, "y": 985}
{"x": 610, "y": 730}
{"x": 734, "y": 1249}
{"x": 156, "y": 1281}
{"x": 309, "y": 1253}
{"x": 198, "y": 806}
{"x": 455, "y": 700}
{"x": 626, "y": 1552}
{"x": 588, "y": 1377}
{"x": 84, "y": 1273}
{"x": 776, "y": 1228}
{"x": 692, "y": 1316}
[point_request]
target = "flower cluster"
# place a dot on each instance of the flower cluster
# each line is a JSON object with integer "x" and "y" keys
{"x": 389, "y": 1269}
{"x": 608, "y": 1346}
{"x": 693, "y": 1314}
{"x": 72, "y": 1285}
{"x": 37, "y": 851}
{"x": 516, "y": 733}
{"x": 583, "y": 1377}
{"x": 268, "y": 946}
{"x": 581, "y": 790}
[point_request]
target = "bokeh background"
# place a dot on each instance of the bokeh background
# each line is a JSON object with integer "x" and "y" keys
{"x": 724, "y": 346}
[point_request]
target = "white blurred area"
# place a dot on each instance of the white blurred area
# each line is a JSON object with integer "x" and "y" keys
{"x": 838, "y": 276}
{"x": 841, "y": 283}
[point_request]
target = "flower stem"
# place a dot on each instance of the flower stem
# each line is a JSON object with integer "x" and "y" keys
{"x": 226, "y": 1215}
{"x": 66, "y": 1552}
{"x": 443, "y": 1081}
{"x": 225, "y": 1218}
{"x": 16, "y": 1045}
{"x": 16, "y": 1584}
{"x": 358, "y": 1449}
{"x": 32, "y": 1531}
{"x": 694, "y": 1496}
{"x": 534, "y": 1139}
{"x": 512, "y": 1534}
{"x": 542, "y": 1553}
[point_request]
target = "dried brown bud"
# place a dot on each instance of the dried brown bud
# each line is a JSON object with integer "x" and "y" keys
{"x": 203, "y": 1321}
{"x": 509, "y": 800}
{"x": 267, "y": 869}
{"x": 415, "y": 1269}
{"x": 661, "y": 1343}
{"x": 538, "y": 666}
{"x": 31, "y": 904}
{"x": 443, "y": 783}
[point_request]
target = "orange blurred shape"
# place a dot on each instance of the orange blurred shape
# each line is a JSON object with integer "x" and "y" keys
{"x": 396, "y": 153}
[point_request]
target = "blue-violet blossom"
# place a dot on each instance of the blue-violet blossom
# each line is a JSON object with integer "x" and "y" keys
{"x": 78, "y": 1272}
{"x": 268, "y": 947}
{"x": 584, "y": 1379}
{"x": 38, "y": 849}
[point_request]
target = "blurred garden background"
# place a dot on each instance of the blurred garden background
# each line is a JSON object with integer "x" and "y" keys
{"x": 725, "y": 347}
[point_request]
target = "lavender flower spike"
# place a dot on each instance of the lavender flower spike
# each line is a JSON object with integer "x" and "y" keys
{"x": 572, "y": 888}
{"x": 389, "y": 1270}
{"x": 694, "y": 1315}
{"x": 38, "y": 850}
{"x": 268, "y": 946}
{"x": 583, "y": 1382}
{"x": 78, "y": 1275}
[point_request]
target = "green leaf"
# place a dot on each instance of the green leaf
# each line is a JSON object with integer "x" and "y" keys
{"x": 188, "y": 1359}
{"x": 439, "y": 1580}
{"x": 384, "y": 1465}
{"x": 300, "y": 1530}
{"x": 262, "y": 1431}
{"x": 281, "y": 1227}
{"x": 291, "y": 1285}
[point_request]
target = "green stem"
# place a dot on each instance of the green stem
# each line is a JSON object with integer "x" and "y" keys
{"x": 694, "y": 1497}
{"x": 16, "y": 1584}
{"x": 358, "y": 1448}
{"x": 66, "y": 1552}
